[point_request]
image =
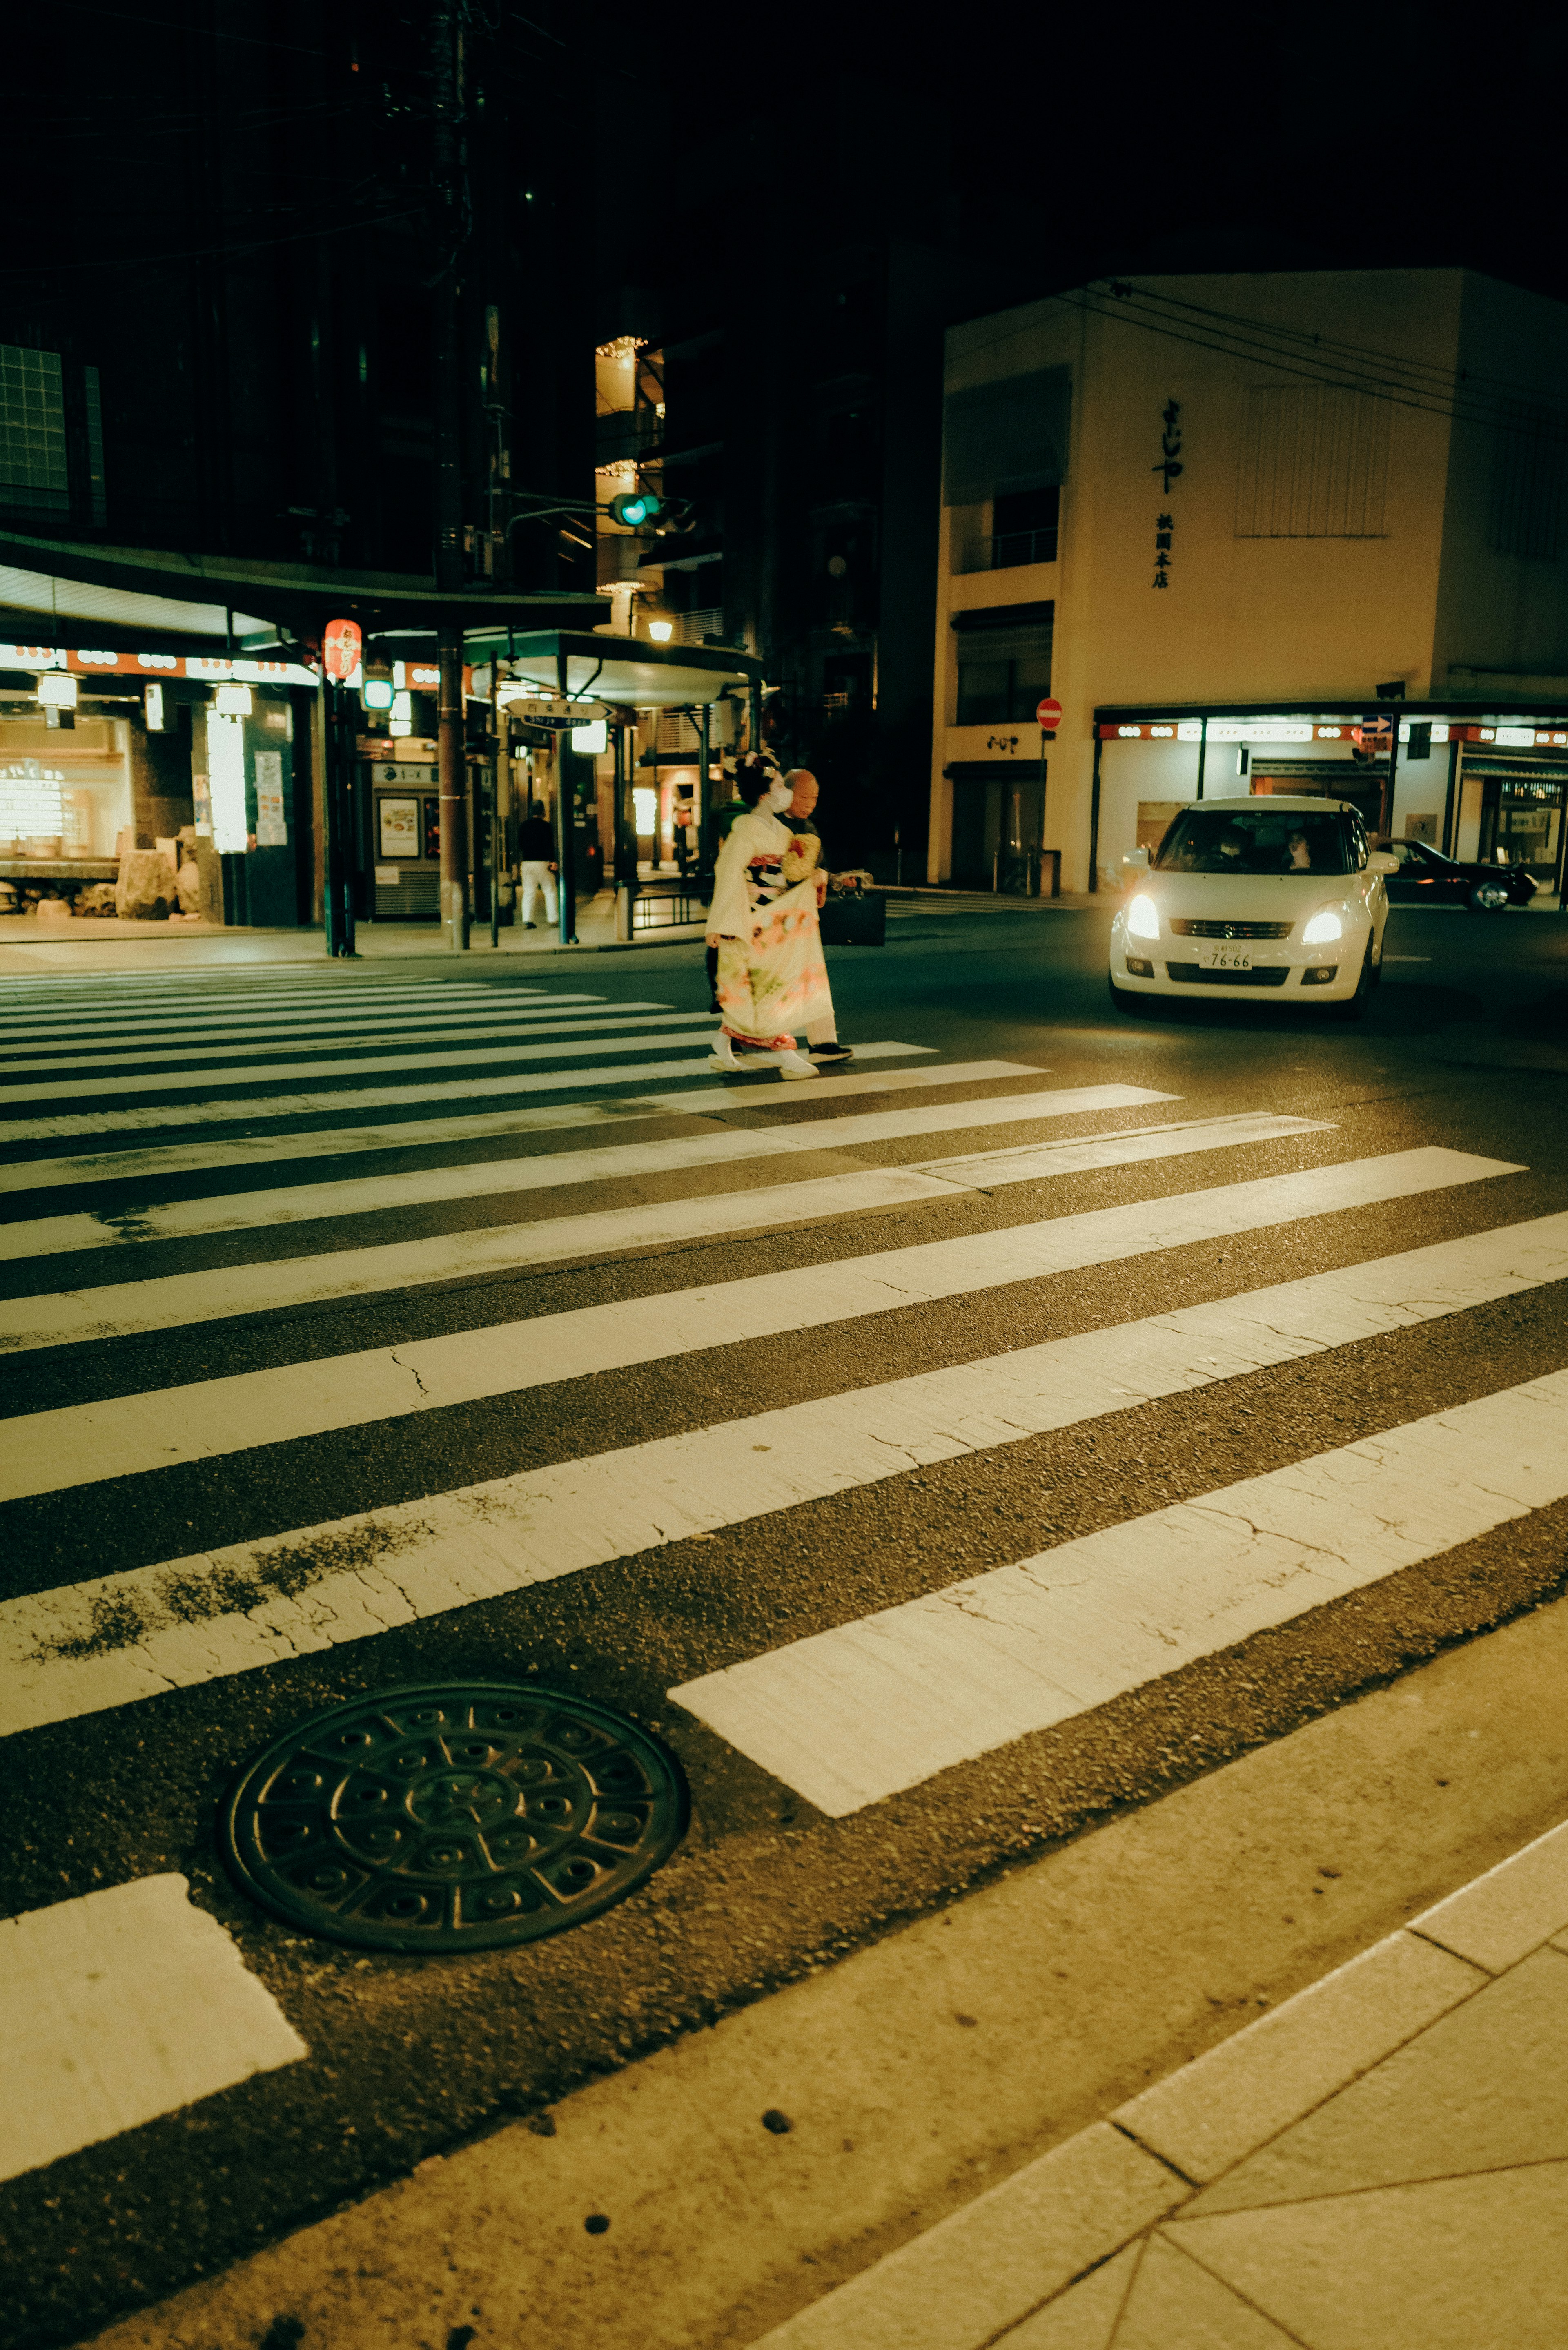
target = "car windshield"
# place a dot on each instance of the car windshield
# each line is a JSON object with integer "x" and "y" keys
{"x": 1247, "y": 840}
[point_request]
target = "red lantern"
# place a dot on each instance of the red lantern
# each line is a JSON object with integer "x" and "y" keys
{"x": 341, "y": 649}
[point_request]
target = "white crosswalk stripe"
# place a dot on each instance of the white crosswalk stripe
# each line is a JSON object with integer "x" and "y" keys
{"x": 486, "y": 1082}
{"x": 297, "y": 1204}
{"x": 857, "y": 1714}
{"x": 194, "y": 1157}
{"x": 115, "y": 1311}
{"x": 118, "y": 2006}
{"x": 257, "y": 1072}
{"x": 69, "y": 1028}
{"x": 492, "y": 1031}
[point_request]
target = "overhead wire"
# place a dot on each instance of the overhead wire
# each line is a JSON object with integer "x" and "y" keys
{"x": 1511, "y": 407}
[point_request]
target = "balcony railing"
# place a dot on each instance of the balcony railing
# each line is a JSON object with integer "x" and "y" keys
{"x": 691, "y": 628}
{"x": 1004, "y": 550}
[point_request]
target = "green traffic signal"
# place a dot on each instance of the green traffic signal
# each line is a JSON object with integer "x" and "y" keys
{"x": 635, "y": 509}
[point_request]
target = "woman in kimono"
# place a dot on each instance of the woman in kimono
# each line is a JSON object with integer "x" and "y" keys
{"x": 770, "y": 978}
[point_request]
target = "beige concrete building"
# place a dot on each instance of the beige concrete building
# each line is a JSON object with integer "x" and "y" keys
{"x": 1220, "y": 519}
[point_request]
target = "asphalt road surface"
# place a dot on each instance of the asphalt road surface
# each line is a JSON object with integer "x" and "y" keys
{"x": 930, "y": 1460}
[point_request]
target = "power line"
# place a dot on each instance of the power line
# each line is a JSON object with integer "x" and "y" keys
{"x": 1510, "y": 405}
{"x": 1380, "y": 374}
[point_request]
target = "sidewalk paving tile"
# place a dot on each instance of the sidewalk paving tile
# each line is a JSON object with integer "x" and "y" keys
{"x": 1176, "y": 2304}
{"x": 1085, "y": 2317}
{"x": 1509, "y": 1911}
{"x": 1242, "y": 2092}
{"x": 1469, "y": 2263}
{"x": 1485, "y": 2088}
{"x": 989, "y": 2263}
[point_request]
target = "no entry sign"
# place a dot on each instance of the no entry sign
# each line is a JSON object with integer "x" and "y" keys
{"x": 1049, "y": 714}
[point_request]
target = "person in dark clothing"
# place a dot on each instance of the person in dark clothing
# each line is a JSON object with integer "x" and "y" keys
{"x": 823, "y": 1045}
{"x": 536, "y": 859}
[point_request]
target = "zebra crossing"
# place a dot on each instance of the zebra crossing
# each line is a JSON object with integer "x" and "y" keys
{"x": 239, "y": 1271}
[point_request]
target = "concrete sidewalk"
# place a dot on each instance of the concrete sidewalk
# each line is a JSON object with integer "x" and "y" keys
{"x": 30, "y": 947}
{"x": 1380, "y": 2164}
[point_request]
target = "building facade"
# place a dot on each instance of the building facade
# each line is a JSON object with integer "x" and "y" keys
{"x": 1219, "y": 516}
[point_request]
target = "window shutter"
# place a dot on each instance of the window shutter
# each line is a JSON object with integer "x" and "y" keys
{"x": 1314, "y": 464}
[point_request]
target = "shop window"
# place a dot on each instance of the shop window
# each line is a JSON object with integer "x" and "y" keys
{"x": 1314, "y": 464}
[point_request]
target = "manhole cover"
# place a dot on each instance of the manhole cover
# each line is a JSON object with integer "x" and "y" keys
{"x": 456, "y": 1817}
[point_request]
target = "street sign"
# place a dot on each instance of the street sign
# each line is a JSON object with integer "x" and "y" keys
{"x": 1049, "y": 714}
{"x": 1373, "y": 733}
{"x": 559, "y": 710}
{"x": 340, "y": 649}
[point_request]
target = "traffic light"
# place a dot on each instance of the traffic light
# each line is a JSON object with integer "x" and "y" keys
{"x": 635, "y": 509}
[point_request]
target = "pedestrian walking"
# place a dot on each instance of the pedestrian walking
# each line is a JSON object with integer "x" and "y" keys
{"x": 536, "y": 859}
{"x": 770, "y": 977}
{"x": 821, "y": 1033}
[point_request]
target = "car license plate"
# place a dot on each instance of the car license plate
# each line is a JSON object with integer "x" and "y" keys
{"x": 1224, "y": 959}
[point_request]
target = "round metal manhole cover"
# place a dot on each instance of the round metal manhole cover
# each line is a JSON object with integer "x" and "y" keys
{"x": 456, "y": 1817}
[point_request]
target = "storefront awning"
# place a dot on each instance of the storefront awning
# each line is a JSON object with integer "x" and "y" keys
{"x": 624, "y": 670}
{"x": 297, "y": 598}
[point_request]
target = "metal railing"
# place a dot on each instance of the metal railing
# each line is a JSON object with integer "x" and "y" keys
{"x": 667, "y": 905}
{"x": 691, "y": 628}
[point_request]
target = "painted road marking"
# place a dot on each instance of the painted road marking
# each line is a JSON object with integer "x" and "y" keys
{"x": 121, "y": 2006}
{"x": 328, "y": 1012}
{"x": 217, "y": 990}
{"x": 488, "y": 1082}
{"x": 751, "y": 1094}
{"x": 222, "y": 1039}
{"x": 618, "y": 1162}
{"x": 486, "y": 1047}
{"x": 121, "y": 1436}
{"x": 87, "y": 1647}
{"x": 122, "y": 1308}
{"x": 988, "y": 1170}
{"x": 193, "y": 1158}
{"x": 851, "y": 1716}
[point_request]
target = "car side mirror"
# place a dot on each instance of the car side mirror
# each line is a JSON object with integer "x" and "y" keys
{"x": 1381, "y": 862}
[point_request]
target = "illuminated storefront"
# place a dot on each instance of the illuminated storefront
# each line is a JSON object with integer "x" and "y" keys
{"x": 104, "y": 750}
{"x": 1476, "y": 784}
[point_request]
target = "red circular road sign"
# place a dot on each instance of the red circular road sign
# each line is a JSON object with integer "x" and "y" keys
{"x": 1049, "y": 714}
{"x": 340, "y": 648}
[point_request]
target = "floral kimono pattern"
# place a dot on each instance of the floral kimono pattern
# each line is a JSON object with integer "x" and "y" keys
{"x": 772, "y": 978}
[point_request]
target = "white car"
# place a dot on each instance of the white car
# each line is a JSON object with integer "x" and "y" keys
{"x": 1275, "y": 899}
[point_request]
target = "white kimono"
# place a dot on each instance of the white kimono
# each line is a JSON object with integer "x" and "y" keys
{"x": 772, "y": 978}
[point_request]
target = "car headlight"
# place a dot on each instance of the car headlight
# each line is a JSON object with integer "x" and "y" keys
{"x": 1322, "y": 927}
{"x": 1143, "y": 919}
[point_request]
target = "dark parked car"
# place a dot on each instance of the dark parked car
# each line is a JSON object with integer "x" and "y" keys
{"x": 1426, "y": 877}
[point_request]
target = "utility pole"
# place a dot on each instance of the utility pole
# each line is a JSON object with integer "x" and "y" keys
{"x": 446, "y": 91}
